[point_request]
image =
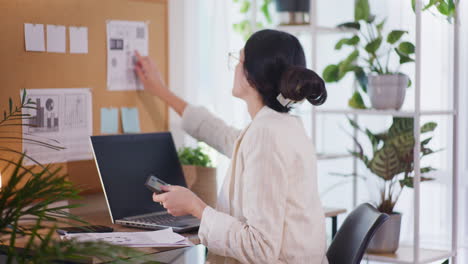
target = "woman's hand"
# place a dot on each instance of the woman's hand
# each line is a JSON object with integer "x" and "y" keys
{"x": 150, "y": 76}
{"x": 180, "y": 201}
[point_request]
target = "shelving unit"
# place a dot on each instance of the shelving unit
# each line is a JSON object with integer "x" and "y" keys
{"x": 405, "y": 254}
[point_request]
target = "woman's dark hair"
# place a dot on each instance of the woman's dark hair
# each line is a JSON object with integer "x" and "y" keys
{"x": 274, "y": 63}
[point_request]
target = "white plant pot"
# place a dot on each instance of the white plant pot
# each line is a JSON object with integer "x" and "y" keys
{"x": 387, "y": 91}
{"x": 387, "y": 237}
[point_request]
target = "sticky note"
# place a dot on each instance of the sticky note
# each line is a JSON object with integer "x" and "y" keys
{"x": 130, "y": 120}
{"x": 56, "y": 38}
{"x": 109, "y": 120}
{"x": 34, "y": 37}
{"x": 78, "y": 39}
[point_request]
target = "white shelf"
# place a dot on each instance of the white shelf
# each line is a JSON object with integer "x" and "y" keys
{"x": 323, "y": 156}
{"x": 404, "y": 255}
{"x": 308, "y": 28}
{"x": 383, "y": 112}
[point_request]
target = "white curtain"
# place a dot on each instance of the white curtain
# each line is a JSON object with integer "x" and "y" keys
{"x": 199, "y": 69}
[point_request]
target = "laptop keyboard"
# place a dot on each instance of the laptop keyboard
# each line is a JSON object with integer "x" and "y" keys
{"x": 157, "y": 219}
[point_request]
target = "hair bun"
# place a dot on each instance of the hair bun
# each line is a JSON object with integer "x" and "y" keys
{"x": 299, "y": 83}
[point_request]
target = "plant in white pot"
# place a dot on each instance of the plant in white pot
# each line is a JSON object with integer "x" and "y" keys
{"x": 199, "y": 174}
{"x": 293, "y": 12}
{"x": 370, "y": 60}
{"x": 392, "y": 161}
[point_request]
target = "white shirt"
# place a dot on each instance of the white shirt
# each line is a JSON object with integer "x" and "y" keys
{"x": 268, "y": 210}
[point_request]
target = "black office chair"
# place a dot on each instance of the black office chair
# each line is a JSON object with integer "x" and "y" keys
{"x": 354, "y": 235}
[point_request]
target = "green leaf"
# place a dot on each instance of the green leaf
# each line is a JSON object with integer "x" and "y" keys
{"x": 361, "y": 77}
{"x": 426, "y": 141}
{"x": 381, "y": 25}
{"x": 408, "y": 181}
{"x": 443, "y": 8}
{"x": 354, "y": 124}
{"x": 407, "y": 47}
{"x": 429, "y": 5}
{"x": 330, "y": 74}
{"x": 347, "y": 65}
{"x": 374, "y": 45}
{"x": 245, "y": 6}
{"x": 400, "y": 125}
{"x": 356, "y": 101}
{"x": 347, "y": 41}
{"x": 428, "y": 127}
{"x": 404, "y": 58}
{"x": 385, "y": 163}
{"x": 361, "y": 10}
{"x": 350, "y": 25}
{"x": 266, "y": 11}
{"x": 395, "y": 36}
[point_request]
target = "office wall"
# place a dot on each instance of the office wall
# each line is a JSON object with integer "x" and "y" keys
{"x": 20, "y": 69}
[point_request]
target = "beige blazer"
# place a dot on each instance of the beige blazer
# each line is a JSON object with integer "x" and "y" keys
{"x": 268, "y": 209}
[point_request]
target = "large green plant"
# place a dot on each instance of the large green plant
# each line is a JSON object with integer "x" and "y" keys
{"x": 372, "y": 49}
{"x": 32, "y": 193}
{"x": 392, "y": 159}
{"x": 194, "y": 156}
{"x": 371, "y": 53}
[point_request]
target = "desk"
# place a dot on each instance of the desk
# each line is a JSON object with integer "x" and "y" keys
{"x": 333, "y": 214}
{"x": 95, "y": 212}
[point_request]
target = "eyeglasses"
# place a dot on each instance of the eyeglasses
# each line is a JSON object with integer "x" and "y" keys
{"x": 233, "y": 60}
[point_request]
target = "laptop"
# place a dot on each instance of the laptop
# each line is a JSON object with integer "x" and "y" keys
{"x": 124, "y": 163}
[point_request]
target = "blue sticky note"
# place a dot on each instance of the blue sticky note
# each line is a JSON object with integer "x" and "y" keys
{"x": 109, "y": 120}
{"x": 130, "y": 120}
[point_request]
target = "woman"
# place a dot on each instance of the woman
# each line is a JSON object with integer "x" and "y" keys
{"x": 268, "y": 210}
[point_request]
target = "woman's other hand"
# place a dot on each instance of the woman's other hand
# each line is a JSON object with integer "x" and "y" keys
{"x": 149, "y": 75}
{"x": 151, "y": 78}
{"x": 180, "y": 201}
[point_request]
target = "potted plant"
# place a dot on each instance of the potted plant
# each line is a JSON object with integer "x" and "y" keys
{"x": 370, "y": 58}
{"x": 199, "y": 174}
{"x": 392, "y": 162}
{"x": 293, "y": 12}
{"x": 32, "y": 193}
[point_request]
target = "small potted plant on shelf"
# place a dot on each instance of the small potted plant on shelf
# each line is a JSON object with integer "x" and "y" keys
{"x": 293, "y": 12}
{"x": 199, "y": 173}
{"x": 392, "y": 162}
{"x": 370, "y": 58}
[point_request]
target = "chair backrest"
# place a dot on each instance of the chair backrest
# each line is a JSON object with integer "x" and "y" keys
{"x": 354, "y": 235}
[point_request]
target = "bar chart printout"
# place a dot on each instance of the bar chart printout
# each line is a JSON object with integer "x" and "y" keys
{"x": 62, "y": 117}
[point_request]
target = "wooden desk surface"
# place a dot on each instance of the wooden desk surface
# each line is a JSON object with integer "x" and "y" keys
{"x": 95, "y": 211}
{"x": 332, "y": 212}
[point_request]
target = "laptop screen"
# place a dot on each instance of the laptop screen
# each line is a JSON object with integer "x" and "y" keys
{"x": 125, "y": 162}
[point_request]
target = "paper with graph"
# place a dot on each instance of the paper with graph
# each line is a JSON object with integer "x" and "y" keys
{"x": 159, "y": 238}
{"x": 62, "y": 117}
{"x": 123, "y": 39}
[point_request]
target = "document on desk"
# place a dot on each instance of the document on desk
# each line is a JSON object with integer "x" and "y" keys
{"x": 160, "y": 238}
{"x": 123, "y": 39}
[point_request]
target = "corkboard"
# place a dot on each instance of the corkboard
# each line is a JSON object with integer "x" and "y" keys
{"x": 20, "y": 69}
